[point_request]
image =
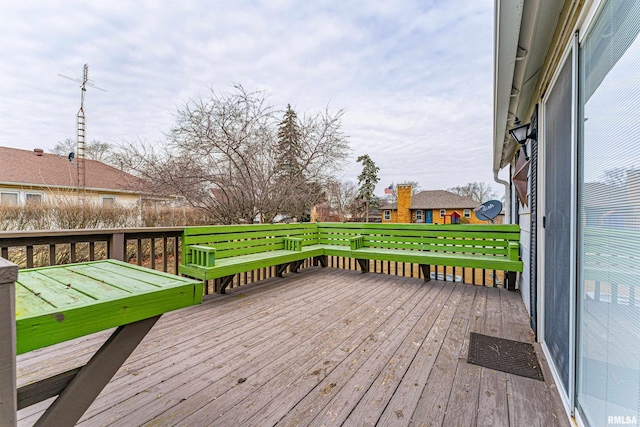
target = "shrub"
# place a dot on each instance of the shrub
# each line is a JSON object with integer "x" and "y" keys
{"x": 65, "y": 214}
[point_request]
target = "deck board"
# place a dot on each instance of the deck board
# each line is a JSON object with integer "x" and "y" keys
{"x": 322, "y": 347}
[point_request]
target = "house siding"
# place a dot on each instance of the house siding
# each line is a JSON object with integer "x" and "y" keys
{"x": 393, "y": 216}
{"x": 50, "y": 195}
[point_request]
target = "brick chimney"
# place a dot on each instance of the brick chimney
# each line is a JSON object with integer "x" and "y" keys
{"x": 404, "y": 203}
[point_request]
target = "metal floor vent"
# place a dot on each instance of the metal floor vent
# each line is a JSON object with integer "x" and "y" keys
{"x": 513, "y": 357}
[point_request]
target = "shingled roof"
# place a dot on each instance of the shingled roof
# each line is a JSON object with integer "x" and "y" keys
{"x": 437, "y": 199}
{"x": 23, "y": 167}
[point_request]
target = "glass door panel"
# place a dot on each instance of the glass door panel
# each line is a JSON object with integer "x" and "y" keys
{"x": 608, "y": 358}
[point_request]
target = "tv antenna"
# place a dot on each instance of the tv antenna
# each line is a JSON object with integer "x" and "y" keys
{"x": 81, "y": 124}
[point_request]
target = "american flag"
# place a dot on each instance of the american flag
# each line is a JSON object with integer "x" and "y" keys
{"x": 389, "y": 189}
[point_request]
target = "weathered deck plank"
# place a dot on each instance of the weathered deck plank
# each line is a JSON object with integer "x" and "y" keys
{"x": 466, "y": 384}
{"x": 323, "y": 347}
{"x": 492, "y": 397}
{"x": 530, "y": 401}
{"x": 224, "y": 391}
{"x": 371, "y": 406}
{"x": 431, "y": 407}
{"x": 407, "y": 395}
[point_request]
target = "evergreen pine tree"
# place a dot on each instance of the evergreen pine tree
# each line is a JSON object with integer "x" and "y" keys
{"x": 367, "y": 181}
{"x": 289, "y": 146}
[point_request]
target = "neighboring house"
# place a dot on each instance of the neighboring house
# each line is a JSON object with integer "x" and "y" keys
{"x": 324, "y": 213}
{"x": 571, "y": 70}
{"x": 34, "y": 177}
{"x": 430, "y": 207}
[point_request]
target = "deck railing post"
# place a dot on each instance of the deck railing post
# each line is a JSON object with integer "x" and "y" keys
{"x": 8, "y": 397}
{"x": 117, "y": 245}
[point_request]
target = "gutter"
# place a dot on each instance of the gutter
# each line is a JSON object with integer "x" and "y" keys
{"x": 507, "y": 197}
{"x": 44, "y": 187}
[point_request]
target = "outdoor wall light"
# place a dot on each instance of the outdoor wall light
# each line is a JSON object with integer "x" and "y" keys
{"x": 521, "y": 133}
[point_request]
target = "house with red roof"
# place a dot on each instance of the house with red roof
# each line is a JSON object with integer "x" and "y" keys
{"x": 431, "y": 207}
{"x": 35, "y": 176}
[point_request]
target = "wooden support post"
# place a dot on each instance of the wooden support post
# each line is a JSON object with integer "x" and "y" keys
{"x": 364, "y": 265}
{"x": 426, "y": 272}
{"x": 511, "y": 280}
{"x": 76, "y": 398}
{"x": 47, "y": 388}
{"x": 295, "y": 266}
{"x": 117, "y": 245}
{"x": 224, "y": 282}
{"x": 8, "y": 396}
{"x": 320, "y": 260}
{"x": 280, "y": 268}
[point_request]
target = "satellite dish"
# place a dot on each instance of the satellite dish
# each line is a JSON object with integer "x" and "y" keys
{"x": 489, "y": 210}
{"x": 71, "y": 156}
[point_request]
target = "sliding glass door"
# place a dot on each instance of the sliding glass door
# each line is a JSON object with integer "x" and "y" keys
{"x": 608, "y": 357}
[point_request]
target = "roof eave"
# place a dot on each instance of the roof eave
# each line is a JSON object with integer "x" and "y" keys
{"x": 73, "y": 188}
{"x": 508, "y": 17}
{"x": 530, "y": 25}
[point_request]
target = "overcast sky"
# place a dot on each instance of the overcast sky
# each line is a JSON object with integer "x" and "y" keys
{"x": 415, "y": 77}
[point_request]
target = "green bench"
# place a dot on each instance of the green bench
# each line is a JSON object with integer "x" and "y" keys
{"x": 220, "y": 252}
{"x": 611, "y": 258}
{"x": 45, "y": 306}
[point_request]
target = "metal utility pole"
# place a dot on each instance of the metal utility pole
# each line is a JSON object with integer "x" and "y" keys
{"x": 81, "y": 125}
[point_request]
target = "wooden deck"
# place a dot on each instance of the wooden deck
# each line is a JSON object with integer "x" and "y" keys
{"x": 323, "y": 347}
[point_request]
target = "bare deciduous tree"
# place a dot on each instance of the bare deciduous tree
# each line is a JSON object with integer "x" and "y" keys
{"x": 223, "y": 156}
{"x": 616, "y": 177}
{"x": 94, "y": 150}
{"x": 478, "y": 191}
{"x": 340, "y": 196}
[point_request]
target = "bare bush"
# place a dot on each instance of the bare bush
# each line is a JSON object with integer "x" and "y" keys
{"x": 67, "y": 214}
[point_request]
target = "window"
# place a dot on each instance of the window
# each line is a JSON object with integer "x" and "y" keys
{"x": 443, "y": 212}
{"x": 387, "y": 215}
{"x": 9, "y": 198}
{"x": 418, "y": 216}
{"x": 33, "y": 198}
{"x": 108, "y": 200}
{"x": 467, "y": 213}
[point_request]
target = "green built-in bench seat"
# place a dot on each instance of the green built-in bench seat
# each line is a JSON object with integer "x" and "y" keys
{"x": 214, "y": 252}
{"x": 493, "y": 247}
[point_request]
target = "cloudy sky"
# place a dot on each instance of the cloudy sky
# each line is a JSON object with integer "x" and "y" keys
{"x": 415, "y": 77}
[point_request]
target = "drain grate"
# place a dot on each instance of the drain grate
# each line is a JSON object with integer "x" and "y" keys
{"x": 513, "y": 357}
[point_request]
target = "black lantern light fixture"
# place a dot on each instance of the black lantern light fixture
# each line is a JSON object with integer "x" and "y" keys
{"x": 521, "y": 133}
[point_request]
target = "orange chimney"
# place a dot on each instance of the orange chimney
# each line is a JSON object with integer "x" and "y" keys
{"x": 404, "y": 203}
